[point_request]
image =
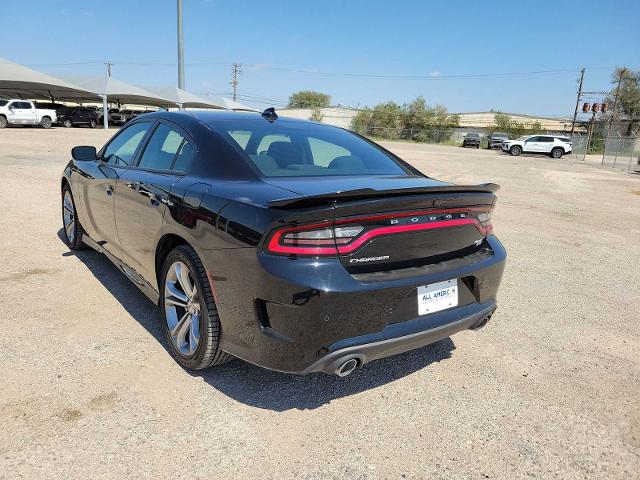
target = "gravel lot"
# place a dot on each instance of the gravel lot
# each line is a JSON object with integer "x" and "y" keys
{"x": 550, "y": 389}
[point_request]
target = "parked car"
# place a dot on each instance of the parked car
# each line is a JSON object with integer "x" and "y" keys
{"x": 112, "y": 112}
{"x": 495, "y": 140}
{"x": 121, "y": 117}
{"x": 555, "y": 146}
{"x": 324, "y": 250}
{"x": 137, "y": 113}
{"x": 72, "y": 116}
{"x": 471, "y": 140}
{"x": 23, "y": 112}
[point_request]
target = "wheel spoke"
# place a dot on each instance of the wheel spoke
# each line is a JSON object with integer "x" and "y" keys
{"x": 175, "y": 331}
{"x": 174, "y": 296}
{"x": 69, "y": 230}
{"x": 183, "y": 277}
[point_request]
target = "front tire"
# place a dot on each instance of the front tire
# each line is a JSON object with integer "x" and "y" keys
{"x": 45, "y": 122}
{"x": 191, "y": 322}
{"x": 71, "y": 226}
{"x": 515, "y": 150}
{"x": 557, "y": 153}
{"x": 67, "y": 123}
{"x": 92, "y": 124}
{"x": 3, "y": 122}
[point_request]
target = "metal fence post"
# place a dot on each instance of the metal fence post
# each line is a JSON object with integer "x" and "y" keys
{"x": 615, "y": 159}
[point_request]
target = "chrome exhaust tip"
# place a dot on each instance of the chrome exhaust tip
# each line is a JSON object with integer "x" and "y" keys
{"x": 346, "y": 368}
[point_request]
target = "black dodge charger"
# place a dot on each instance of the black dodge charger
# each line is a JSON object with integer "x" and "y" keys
{"x": 293, "y": 245}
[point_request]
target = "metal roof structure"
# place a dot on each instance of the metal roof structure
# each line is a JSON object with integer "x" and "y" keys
{"x": 18, "y": 81}
{"x": 118, "y": 91}
{"x": 184, "y": 99}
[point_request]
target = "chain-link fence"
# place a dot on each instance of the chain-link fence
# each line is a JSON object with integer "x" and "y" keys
{"x": 615, "y": 151}
{"x": 622, "y": 152}
{"x": 424, "y": 135}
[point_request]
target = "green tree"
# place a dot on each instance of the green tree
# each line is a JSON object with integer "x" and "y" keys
{"x": 505, "y": 124}
{"x": 309, "y": 99}
{"x": 628, "y": 107}
{"x": 414, "y": 121}
{"x": 317, "y": 115}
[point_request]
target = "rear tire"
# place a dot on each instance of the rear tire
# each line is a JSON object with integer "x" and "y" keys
{"x": 71, "y": 227}
{"x": 45, "y": 122}
{"x": 557, "y": 153}
{"x": 197, "y": 345}
{"x": 515, "y": 150}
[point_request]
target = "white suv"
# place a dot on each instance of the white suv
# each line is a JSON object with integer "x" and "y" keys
{"x": 553, "y": 145}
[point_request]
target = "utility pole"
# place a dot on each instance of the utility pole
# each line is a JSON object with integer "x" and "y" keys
{"x": 180, "y": 48}
{"x": 575, "y": 113}
{"x": 108, "y": 64}
{"x": 234, "y": 79}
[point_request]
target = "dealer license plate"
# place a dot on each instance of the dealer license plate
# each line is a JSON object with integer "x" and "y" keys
{"x": 437, "y": 296}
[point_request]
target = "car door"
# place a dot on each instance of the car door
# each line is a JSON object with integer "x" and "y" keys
{"x": 532, "y": 144}
{"x": 545, "y": 144}
{"x": 99, "y": 185}
{"x": 18, "y": 114}
{"x": 143, "y": 194}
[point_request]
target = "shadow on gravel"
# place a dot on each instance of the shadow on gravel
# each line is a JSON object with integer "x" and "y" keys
{"x": 257, "y": 386}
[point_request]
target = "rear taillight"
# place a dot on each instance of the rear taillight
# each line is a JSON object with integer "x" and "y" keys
{"x": 347, "y": 235}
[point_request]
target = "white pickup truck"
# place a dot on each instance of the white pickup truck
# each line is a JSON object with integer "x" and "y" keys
{"x": 23, "y": 112}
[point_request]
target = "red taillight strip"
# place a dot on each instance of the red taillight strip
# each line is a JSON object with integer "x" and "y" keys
{"x": 274, "y": 243}
{"x": 376, "y": 232}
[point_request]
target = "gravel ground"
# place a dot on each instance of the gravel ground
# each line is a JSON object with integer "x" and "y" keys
{"x": 550, "y": 389}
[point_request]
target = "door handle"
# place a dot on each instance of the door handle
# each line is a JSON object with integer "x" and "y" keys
{"x": 109, "y": 189}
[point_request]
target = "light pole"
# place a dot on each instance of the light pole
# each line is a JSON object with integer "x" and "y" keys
{"x": 180, "y": 48}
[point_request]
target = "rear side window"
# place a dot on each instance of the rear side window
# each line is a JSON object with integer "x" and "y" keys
{"x": 122, "y": 149}
{"x": 545, "y": 139}
{"x": 161, "y": 149}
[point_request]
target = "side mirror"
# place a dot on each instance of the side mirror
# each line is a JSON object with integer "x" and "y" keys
{"x": 84, "y": 153}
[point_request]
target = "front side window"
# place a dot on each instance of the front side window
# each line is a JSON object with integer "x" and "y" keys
{"x": 306, "y": 150}
{"x": 122, "y": 149}
{"x": 546, "y": 139}
{"x": 162, "y": 148}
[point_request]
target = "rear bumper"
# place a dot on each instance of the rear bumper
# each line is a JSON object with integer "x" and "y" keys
{"x": 373, "y": 350}
{"x": 301, "y": 315}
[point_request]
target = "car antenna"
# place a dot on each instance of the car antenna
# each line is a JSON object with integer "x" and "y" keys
{"x": 270, "y": 114}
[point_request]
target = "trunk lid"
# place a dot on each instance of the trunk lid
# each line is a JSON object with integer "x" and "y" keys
{"x": 395, "y": 222}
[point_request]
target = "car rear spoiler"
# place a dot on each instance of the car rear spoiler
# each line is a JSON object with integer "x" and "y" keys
{"x": 369, "y": 193}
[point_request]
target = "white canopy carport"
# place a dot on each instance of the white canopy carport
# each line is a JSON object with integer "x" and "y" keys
{"x": 184, "y": 99}
{"x": 236, "y": 106}
{"x": 114, "y": 90}
{"x": 22, "y": 82}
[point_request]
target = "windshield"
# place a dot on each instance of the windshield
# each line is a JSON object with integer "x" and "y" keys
{"x": 305, "y": 150}
{"x": 473, "y": 135}
{"x": 500, "y": 135}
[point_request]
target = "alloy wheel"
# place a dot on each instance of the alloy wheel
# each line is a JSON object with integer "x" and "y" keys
{"x": 68, "y": 216}
{"x": 182, "y": 308}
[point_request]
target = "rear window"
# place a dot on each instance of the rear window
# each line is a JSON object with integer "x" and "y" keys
{"x": 305, "y": 150}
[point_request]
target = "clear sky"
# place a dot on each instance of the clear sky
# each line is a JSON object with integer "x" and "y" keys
{"x": 451, "y": 52}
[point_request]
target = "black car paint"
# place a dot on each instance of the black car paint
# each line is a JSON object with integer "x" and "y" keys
{"x": 77, "y": 116}
{"x": 285, "y": 313}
